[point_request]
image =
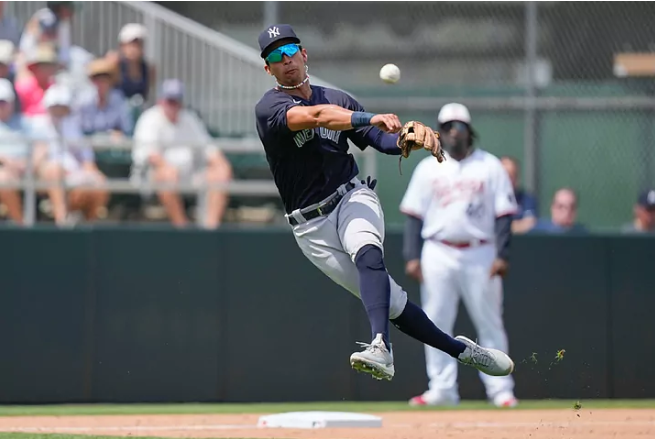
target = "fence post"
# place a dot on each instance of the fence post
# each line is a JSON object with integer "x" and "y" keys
{"x": 29, "y": 206}
{"x": 530, "y": 152}
{"x": 270, "y": 13}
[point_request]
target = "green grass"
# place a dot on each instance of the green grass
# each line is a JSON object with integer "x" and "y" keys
{"x": 143, "y": 409}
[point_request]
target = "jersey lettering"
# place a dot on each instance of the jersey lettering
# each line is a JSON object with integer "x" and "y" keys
{"x": 459, "y": 201}
{"x": 330, "y": 134}
{"x": 303, "y": 137}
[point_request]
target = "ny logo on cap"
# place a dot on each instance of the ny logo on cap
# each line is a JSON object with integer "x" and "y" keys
{"x": 273, "y": 32}
{"x": 651, "y": 197}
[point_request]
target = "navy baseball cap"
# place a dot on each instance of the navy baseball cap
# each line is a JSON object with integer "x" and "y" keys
{"x": 172, "y": 89}
{"x": 647, "y": 199}
{"x": 276, "y": 33}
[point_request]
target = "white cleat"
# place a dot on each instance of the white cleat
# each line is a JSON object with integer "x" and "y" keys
{"x": 376, "y": 359}
{"x": 490, "y": 361}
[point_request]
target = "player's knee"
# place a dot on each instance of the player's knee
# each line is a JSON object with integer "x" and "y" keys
{"x": 370, "y": 257}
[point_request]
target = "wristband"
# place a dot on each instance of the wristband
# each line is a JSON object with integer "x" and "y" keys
{"x": 361, "y": 119}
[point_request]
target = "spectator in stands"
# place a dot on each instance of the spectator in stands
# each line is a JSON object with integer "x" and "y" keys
{"x": 136, "y": 74}
{"x": 43, "y": 66}
{"x": 7, "y": 53}
{"x": 563, "y": 212}
{"x": 644, "y": 214}
{"x": 14, "y": 151}
{"x": 51, "y": 25}
{"x": 69, "y": 157}
{"x": 170, "y": 142}
{"x": 9, "y": 28}
{"x": 105, "y": 110}
{"x": 526, "y": 216}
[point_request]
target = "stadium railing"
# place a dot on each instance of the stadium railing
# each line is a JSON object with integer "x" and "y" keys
{"x": 29, "y": 184}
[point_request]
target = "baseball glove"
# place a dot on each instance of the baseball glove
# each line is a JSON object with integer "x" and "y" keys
{"x": 415, "y": 136}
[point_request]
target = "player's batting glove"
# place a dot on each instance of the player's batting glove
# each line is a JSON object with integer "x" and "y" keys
{"x": 371, "y": 183}
{"x": 415, "y": 135}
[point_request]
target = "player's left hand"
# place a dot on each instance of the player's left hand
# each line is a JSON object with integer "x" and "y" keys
{"x": 499, "y": 268}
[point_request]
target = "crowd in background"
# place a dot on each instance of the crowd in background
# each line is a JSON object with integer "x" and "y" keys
{"x": 56, "y": 98}
{"x": 564, "y": 209}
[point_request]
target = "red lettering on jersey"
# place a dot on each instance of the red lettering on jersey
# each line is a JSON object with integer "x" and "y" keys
{"x": 447, "y": 191}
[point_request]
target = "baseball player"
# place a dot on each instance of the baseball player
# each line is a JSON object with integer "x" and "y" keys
{"x": 335, "y": 218}
{"x": 457, "y": 236}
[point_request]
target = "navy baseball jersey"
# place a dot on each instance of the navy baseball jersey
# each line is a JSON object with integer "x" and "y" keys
{"x": 307, "y": 165}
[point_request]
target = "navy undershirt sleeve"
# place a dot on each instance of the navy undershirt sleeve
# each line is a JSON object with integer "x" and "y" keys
{"x": 383, "y": 142}
{"x": 412, "y": 241}
{"x": 503, "y": 229}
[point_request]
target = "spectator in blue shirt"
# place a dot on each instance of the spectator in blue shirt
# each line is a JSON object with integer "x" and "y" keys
{"x": 563, "y": 214}
{"x": 104, "y": 110}
{"x": 526, "y": 215}
{"x": 14, "y": 150}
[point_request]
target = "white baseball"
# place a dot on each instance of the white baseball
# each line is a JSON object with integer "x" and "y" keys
{"x": 390, "y": 73}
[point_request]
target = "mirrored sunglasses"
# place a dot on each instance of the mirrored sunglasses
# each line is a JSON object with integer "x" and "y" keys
{"x": 278, "y": 54}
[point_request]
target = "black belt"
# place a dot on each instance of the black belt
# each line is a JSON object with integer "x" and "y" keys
{"x": 324, "y": 209}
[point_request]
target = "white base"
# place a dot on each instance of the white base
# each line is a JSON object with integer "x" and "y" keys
{"x": 319, "y": 420}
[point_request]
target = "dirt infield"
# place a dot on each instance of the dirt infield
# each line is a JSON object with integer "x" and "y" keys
{"x": 546, "y": 424}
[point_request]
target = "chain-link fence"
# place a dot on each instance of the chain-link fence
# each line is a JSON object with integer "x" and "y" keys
{"x": 539, "y": 78}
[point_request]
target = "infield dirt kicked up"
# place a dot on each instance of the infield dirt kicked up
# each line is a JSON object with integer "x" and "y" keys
{"x": 483, "y": 424}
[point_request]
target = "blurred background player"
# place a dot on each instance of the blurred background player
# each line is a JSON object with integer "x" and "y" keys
{"x": 644, "y": 214}
{"x": 527, "y": 211}
{"x": 457, "y": 238}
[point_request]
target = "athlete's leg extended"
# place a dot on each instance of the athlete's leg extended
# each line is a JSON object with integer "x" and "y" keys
{"x": 361, "y": 230}
{"x": 333, "y": 244}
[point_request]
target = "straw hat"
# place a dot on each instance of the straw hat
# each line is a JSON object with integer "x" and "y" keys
{"x": 102, "y": 66}
{"x": 44, "y": 54}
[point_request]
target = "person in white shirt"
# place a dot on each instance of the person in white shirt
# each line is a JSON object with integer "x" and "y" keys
{"x": 14, "y": 151}
{"x": 171, "y": 144}
{"x": 67, "y": 157}
{"x": 458, "y": 230}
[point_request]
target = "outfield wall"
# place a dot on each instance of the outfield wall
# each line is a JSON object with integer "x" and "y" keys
{"x": 128, "y": 315}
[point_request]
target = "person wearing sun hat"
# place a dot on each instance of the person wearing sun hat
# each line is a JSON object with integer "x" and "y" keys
{"x": 104, "y": 108}
{"x": 43, "y": 66}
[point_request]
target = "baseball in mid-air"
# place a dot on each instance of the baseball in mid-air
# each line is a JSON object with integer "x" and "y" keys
{"x": 390, "y": 73}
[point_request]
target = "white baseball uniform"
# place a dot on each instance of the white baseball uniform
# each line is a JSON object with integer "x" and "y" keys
{"x": 458, "y": 203}
{"x": 331, "y": 242}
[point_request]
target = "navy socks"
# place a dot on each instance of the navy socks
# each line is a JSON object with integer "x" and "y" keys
{"x": 416, "y": 324}
{"x": 375, "y": 289}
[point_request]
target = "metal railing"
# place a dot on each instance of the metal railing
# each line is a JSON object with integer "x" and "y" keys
{"x": 224, "y": 78}
{"x": 30, "y": 184}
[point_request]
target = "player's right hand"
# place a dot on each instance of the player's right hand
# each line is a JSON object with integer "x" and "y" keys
{"x": 413, "y": 270}
{"x": 388, "y": 123}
